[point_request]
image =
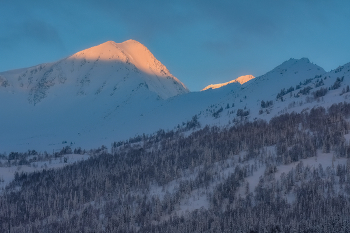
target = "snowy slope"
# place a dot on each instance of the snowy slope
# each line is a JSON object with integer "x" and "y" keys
{"x": 7, "y": 173}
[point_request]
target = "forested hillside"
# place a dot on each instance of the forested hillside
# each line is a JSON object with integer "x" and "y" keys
{"x": 291, "y": 174}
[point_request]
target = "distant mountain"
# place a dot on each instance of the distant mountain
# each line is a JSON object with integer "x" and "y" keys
{"x": 294, "y": 86}
{"x": 110, "y": 67}
{"x": 118, "y": 90}
{"x": 288, "y": 74}
{"x": 241, "y": 80}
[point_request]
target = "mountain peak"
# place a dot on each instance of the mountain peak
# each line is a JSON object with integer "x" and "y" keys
{"x": 111, "y": 50}
{"x": 109, "y": 42}
{"x": 302, "y": 60}
{"x": 241, "y": 80}
{"x": 127, "y": 67}
{"x": 138, "y": 59}
{"x": 296, "y": 66}
{"x": 131, "y": 42}
{"x": 130, "y": 52}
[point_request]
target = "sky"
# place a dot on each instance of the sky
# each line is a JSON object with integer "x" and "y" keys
{"x": 201, "y": 42}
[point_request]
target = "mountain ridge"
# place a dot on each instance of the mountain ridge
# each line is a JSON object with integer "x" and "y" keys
{"x": 113, "y": 100}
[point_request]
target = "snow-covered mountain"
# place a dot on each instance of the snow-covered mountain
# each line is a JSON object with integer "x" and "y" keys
{"x": 241, "y": 80}
{"x": 118, "y": 90}
{"x": 77, "y": 94}
{"x": 249, "y": 95}
{"x": 110, "y": 67}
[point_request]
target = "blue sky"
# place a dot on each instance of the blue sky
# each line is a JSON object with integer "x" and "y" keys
{"x": 201, "y": 42}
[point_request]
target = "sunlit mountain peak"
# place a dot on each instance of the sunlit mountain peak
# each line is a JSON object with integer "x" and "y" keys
{"x": 241, "y": 80}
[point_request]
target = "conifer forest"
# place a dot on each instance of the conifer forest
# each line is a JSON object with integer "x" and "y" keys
{"x": 250, "y": 177}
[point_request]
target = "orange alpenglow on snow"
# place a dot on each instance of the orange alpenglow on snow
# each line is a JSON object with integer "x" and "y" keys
{"x": 241, "y": 80}
{"x": 129, "y": 51}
